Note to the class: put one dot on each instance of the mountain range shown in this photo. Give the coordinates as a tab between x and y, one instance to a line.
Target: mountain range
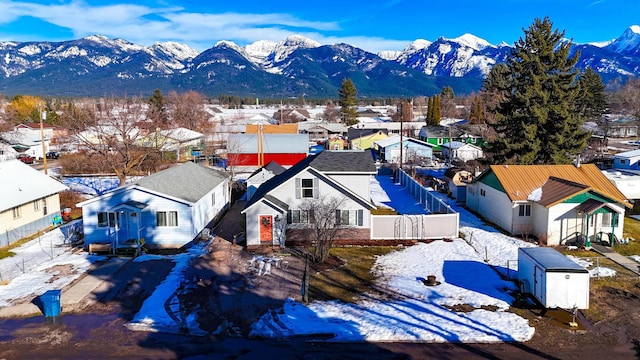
297	66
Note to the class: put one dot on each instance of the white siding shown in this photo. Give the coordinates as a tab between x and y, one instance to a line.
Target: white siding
494	206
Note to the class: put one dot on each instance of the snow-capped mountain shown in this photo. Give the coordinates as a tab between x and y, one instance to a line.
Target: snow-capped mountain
96	65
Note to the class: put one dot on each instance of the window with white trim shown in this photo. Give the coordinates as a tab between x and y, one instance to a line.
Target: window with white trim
16	212
167	218
36	205
524	210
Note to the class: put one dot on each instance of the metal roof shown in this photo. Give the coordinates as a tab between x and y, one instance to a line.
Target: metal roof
21	184
519	181
551	260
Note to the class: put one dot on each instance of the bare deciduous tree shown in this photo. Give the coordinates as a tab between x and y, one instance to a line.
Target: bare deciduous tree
113	138
324	225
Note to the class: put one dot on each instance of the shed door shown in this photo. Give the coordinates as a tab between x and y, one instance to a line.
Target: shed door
266	228
538	288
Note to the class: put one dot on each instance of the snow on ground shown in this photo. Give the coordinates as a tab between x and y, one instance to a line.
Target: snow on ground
37	266
153	316
412	312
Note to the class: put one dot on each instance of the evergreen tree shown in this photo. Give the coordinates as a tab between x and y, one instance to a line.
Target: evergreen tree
436	110
429	115
157	111
347	101
592	99
536	121
476	116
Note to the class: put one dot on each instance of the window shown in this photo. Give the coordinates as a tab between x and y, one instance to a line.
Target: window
440	141
524	210
299	216
44	206
103	219
167	218
482	193
16	212
349	217
36	205
306	188
213	199
606	220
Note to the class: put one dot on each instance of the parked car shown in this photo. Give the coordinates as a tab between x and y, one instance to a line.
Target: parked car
53	155
25	158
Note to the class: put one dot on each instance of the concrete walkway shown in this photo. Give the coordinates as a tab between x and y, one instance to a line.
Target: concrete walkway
75	293
623	261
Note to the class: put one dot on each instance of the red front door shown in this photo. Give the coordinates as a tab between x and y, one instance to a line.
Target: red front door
266	228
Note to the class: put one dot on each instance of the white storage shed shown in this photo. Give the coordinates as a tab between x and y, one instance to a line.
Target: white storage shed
552	278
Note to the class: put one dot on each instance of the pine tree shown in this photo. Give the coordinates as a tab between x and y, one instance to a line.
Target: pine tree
157	111
536	121
348	102
436	110
592	99
429	115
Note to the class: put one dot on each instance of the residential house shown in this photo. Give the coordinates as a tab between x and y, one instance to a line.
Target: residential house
460	151
321	131
254	150
284	116
166	210
414	151
408	128
27	138
363	139
185	143
279	210
29	203
338	143
627	160
261	176
554	203
628	182
438	135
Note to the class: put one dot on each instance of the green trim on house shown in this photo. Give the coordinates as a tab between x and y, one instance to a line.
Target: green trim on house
491	180
580	198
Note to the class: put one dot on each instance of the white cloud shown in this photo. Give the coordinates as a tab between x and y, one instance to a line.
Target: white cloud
146	25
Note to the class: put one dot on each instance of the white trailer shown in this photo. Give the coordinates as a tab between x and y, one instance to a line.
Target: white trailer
552	278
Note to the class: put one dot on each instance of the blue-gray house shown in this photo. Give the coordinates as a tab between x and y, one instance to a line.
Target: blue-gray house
413	150
166	210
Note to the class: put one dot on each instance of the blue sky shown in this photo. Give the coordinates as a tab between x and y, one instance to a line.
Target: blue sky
369	24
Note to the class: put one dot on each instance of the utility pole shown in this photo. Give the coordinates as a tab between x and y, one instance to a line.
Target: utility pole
43	116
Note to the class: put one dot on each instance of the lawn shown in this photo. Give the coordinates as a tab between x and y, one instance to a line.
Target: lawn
346	282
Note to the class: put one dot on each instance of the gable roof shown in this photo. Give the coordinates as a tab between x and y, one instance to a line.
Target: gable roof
519	181
355	133
187	182
628	154
272	166
395	139
439	131
324	162
21	184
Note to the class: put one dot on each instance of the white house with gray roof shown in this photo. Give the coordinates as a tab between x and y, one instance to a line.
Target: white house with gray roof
283	201
166	210
29	202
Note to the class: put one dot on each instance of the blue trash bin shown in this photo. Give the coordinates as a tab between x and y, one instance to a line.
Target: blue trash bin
51	303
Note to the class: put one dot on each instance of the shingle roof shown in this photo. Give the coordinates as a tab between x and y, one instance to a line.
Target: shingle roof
326	162
187	181
519	181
